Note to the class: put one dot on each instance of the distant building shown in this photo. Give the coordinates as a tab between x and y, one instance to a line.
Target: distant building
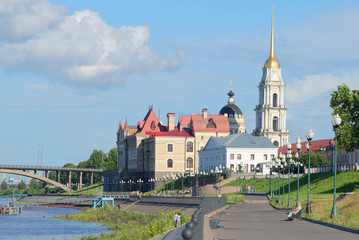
231	151
152	150
271	113
234	114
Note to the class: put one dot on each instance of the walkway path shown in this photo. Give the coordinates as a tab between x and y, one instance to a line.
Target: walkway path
260	221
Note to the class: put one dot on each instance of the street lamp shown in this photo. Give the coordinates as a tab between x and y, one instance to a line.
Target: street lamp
336	120
130	182
270	181
255	182
122	182
217	171
237	170
289	156
283	165
139	181
309	136
241	169
298	146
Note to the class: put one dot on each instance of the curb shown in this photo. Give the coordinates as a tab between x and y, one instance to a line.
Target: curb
207	231
342	228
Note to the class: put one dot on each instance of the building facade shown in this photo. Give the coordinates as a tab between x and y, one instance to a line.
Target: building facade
231	151
152	150
271	112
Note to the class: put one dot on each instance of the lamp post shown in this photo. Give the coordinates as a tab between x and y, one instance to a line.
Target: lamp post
237	170
130	182
182	176
139	181
197	173
289	158
217	171
270	179
122	182
255	182
283	165
241	169
336	120
309	136
298	146
276	183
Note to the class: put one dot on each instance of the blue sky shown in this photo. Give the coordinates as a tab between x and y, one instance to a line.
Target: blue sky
71	70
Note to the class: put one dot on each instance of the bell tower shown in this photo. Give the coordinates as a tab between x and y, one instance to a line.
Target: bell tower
271	113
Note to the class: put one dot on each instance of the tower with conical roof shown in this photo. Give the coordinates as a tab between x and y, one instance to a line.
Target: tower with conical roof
271	113
234	115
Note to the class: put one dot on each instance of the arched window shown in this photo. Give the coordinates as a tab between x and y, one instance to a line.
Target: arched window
252	156
153	126
189	146
211	123
265	157
276	143
169	163
231	156
189	162
275	123
275	100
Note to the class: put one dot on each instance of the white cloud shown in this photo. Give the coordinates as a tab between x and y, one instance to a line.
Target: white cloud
21	19
82	49
310	86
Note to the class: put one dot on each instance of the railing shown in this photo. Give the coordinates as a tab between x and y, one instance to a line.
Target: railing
27	167
340	168
194	228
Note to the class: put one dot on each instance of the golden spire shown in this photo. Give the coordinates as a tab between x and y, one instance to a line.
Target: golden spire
272	61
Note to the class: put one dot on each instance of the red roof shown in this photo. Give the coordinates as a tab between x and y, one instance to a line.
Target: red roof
174	133
213	123
315	146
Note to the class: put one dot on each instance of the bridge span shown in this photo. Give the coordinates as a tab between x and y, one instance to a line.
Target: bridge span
23	171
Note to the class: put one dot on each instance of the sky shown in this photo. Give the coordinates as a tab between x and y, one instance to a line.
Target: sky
71	70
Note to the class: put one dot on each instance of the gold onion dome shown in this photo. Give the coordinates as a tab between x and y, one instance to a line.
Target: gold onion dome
272	62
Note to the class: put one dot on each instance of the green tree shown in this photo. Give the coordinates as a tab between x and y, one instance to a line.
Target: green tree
21	185
346	103
4	185
316	159
110	162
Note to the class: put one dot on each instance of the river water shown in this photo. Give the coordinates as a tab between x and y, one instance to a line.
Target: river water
38	224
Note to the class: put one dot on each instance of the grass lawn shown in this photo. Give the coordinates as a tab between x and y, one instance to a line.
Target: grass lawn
129	225
90	190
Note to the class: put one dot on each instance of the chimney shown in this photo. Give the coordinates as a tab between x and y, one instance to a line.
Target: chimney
180	127
204	112
171	121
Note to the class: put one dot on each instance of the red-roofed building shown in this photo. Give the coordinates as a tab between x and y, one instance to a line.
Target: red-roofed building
152	150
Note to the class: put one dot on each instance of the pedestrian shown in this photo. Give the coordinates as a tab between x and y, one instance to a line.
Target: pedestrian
178	219
245	188
252	188
175	218
119	207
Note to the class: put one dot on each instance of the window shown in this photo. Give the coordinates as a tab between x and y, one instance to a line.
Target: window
275	100
252	156
265	157
276	143
153	126
231	156
170	147
232	167
252	168
271	156
169	163
275	123
239	156
202	137
211	123
190	147
189	162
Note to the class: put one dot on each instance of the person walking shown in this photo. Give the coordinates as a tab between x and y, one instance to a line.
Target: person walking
178	219
175	218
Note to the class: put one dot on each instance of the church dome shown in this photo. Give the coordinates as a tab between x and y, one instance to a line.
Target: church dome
271	62
231	109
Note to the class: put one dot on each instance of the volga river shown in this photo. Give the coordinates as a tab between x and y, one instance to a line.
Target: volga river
38	224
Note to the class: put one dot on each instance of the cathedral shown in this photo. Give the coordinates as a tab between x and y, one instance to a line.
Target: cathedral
271	113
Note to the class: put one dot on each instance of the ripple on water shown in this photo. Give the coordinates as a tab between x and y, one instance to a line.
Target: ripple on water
38	224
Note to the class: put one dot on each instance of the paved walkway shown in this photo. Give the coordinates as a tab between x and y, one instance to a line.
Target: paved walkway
258	220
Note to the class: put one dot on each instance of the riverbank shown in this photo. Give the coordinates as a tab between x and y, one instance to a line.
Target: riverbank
127	225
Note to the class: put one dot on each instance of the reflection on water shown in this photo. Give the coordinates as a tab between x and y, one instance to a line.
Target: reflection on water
38	224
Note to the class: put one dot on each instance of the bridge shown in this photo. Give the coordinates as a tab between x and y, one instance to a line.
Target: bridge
23	171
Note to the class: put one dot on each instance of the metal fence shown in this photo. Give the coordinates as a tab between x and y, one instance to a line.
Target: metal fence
340	168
